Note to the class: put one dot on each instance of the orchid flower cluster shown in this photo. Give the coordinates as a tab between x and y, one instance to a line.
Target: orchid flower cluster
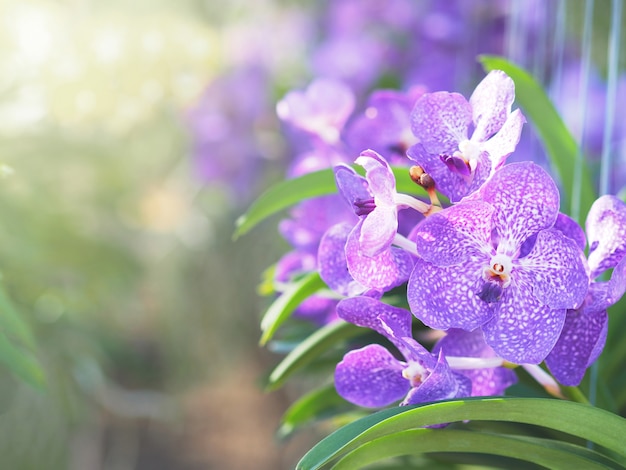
498	273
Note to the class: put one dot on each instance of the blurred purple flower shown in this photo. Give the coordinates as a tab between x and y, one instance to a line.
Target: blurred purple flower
385	125
441	121
322	109
223	128
304	230
471	273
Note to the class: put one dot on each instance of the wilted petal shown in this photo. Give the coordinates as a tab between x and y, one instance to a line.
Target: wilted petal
455	234
331	259
526	201
441	384
503	143
487	381
606	232
440	121
447	297
582	339
371	377
555	270
384	271
491	104
524	330
366	312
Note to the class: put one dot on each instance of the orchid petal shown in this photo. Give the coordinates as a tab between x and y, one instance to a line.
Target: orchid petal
491	104
371	377
447	297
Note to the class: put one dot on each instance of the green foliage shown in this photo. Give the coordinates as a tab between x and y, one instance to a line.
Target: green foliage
581	421
291	191
570	167
286	303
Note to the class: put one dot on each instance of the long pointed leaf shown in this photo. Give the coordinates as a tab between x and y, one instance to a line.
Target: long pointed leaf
317	404
13	324
319	183
21	363
311	348
589	423
287	302
550	454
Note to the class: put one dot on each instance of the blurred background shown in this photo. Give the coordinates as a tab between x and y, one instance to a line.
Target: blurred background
132	136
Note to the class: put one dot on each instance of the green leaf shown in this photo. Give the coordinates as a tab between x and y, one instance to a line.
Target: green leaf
21	363
545	452
12	324
317	404
319	183
318	343
287	302
559	144
583	421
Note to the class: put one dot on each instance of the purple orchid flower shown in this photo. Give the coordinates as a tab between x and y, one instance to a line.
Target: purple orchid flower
461	348
373	377
459	164
473	273
385	124
585	328
370	258
321	110
304	230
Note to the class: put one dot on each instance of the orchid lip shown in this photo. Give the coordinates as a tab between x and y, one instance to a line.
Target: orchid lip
364	206
456	164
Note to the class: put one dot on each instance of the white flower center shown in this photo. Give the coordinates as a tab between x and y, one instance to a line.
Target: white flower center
469	151
415	372
500	266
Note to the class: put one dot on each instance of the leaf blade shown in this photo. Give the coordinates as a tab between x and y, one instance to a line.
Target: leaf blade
280	310
589	423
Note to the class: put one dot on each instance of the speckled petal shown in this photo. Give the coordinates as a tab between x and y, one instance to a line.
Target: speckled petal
606	232
384	271
503	143
371	377
487	381
617	284
447	297
523	331
331	260
382	182
378	230
555	270
451	184
441	384
352	186
366	312
570	228
440	121
526	201
582	339
491	104
455	234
